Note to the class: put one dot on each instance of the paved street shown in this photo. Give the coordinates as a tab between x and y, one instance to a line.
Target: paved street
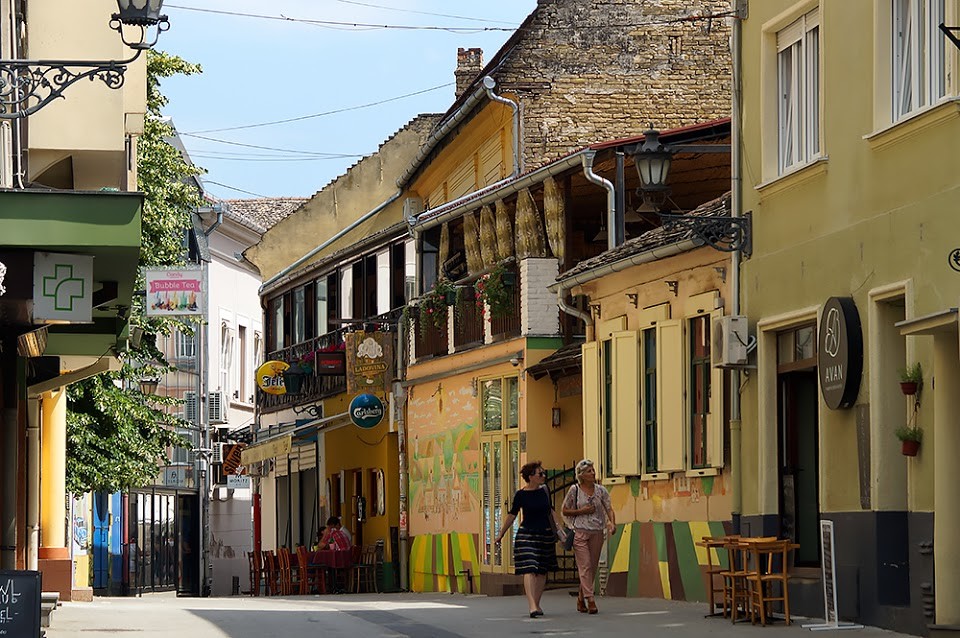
396	615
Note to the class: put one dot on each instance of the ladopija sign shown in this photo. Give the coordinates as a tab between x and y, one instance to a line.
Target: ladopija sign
840	360
366	411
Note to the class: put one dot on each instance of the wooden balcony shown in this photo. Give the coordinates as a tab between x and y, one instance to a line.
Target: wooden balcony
468	320
314	386
509	325
431	341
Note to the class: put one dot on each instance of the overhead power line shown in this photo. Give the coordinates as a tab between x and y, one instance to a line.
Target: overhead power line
234	188
425	13
317	154
315	115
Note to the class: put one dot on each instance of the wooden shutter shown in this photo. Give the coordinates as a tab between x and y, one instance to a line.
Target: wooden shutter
671	415
591	403
715	421
626	403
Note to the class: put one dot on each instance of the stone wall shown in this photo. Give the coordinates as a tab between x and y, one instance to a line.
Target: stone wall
592	71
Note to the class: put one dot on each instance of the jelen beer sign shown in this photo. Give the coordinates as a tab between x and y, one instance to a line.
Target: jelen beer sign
840	360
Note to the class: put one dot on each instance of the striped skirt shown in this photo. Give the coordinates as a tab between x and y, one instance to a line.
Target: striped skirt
534	551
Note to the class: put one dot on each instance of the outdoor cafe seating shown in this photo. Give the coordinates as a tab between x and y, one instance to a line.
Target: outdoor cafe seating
303	571
749	577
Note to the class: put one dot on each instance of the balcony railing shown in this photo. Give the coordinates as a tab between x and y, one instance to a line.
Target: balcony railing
467	320
314	386
509	324
431	341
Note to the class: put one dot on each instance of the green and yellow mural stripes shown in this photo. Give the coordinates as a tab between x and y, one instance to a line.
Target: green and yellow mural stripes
662	560
437	560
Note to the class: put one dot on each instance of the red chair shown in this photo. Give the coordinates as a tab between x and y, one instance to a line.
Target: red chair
271	573
312	577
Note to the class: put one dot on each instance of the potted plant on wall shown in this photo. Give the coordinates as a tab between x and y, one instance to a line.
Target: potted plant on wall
911	379
494	290
910	438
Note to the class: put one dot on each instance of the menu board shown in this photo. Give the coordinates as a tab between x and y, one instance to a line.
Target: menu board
19	603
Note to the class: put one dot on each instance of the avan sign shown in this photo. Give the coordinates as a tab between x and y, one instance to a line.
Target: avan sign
840	359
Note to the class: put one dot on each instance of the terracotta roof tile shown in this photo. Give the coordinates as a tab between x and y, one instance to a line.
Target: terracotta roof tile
264	212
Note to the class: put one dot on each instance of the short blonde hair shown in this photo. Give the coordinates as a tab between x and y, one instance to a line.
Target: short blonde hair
582	466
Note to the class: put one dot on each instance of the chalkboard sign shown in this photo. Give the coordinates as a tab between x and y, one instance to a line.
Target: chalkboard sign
19	604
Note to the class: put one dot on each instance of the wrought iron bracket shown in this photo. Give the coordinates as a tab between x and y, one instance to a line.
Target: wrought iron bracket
949	32
26	86
313	410
727	234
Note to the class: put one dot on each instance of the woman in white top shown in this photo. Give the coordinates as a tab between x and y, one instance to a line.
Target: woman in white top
587	508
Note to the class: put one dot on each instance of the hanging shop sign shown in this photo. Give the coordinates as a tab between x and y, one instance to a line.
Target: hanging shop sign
330	363
840	359
175	292
366	411
270	377
62	288
369	359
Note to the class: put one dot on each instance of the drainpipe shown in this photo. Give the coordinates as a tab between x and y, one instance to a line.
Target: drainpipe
736	205
218	209
489	84
579	314
587	160
334	238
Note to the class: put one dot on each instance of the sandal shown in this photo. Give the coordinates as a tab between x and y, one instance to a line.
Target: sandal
591	606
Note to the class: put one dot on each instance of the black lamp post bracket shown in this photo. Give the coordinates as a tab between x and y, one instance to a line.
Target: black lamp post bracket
726	234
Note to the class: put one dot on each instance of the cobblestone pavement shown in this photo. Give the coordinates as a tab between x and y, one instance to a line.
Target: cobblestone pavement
397	615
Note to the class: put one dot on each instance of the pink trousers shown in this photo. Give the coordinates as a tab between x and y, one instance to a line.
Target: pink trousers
586	550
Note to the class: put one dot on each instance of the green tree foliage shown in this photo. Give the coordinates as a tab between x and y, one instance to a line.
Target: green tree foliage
116	436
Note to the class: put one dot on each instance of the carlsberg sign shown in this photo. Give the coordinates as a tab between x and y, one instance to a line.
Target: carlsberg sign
366	411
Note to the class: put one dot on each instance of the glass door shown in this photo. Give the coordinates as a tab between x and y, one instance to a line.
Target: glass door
500	468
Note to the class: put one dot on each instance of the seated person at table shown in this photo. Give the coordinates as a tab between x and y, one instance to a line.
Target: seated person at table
333	537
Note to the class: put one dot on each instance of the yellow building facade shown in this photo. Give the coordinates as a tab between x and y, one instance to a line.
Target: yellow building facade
850	171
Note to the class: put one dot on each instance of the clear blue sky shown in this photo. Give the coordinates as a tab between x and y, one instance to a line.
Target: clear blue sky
258	70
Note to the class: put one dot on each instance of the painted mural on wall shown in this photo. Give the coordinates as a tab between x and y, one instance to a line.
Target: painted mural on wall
445	563
444	455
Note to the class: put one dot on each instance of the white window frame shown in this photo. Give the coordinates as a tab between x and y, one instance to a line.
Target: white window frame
918	76
346	292
383	282
185	345
798	92
226	357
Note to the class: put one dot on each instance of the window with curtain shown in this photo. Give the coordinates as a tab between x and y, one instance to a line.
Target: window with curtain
299	315
919	60
798	84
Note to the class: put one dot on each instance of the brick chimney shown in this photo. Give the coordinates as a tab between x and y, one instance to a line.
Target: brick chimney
469	65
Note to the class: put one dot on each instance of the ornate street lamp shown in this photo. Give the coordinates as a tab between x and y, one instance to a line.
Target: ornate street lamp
26	86
652	158
149	385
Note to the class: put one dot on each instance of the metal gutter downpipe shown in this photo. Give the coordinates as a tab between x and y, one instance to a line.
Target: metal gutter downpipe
587	159
736	205
575	312
489	84
286	271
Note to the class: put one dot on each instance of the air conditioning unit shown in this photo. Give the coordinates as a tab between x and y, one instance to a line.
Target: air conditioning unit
190	407
218	411
216	454
729	341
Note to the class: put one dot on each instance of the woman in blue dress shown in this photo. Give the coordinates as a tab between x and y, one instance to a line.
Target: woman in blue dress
534	553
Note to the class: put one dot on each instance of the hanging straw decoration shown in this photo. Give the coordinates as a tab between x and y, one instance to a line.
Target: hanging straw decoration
471	243
444	245
530	240
553	212
504	231
488	237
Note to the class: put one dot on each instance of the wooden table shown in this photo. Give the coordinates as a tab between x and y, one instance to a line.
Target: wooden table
334	562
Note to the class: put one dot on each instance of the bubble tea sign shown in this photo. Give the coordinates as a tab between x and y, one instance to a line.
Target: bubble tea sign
175	292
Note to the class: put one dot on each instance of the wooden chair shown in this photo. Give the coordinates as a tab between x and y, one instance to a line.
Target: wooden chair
364	570
312	577
736	592
271	573
769	576
289	573
256	573
715	582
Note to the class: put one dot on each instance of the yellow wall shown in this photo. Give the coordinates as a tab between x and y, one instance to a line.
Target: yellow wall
678	497
877	210
479	155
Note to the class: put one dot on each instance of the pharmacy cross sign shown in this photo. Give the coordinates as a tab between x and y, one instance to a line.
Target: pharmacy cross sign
62	287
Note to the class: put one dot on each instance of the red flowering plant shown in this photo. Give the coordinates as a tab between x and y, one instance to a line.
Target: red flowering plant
493	290
434	305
